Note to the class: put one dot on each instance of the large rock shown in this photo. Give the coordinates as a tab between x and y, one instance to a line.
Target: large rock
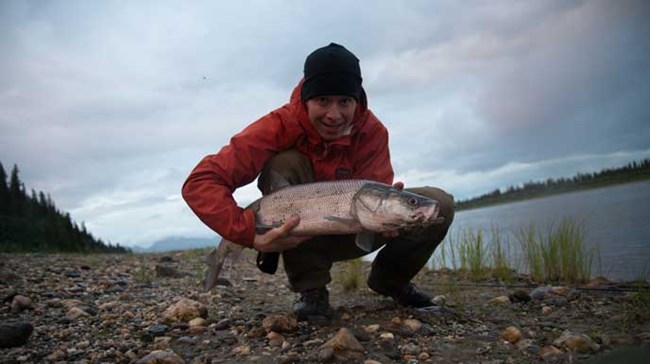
185	310
15	334
344	346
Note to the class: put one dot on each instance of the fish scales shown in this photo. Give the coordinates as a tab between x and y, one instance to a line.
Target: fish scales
323	207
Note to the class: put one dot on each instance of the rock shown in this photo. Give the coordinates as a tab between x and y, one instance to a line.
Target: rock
280	323
546	310
527	345
199	321
15	334
501	300
410	349
370	361
343	345
540	293
161	357
222	324
326	354
551	354
185	310
157	330
243	350
57	355
387	336
519	296
20	303
439	300
413	325
196	330
75	313
371	328
165	271
511	334
256	332
580	343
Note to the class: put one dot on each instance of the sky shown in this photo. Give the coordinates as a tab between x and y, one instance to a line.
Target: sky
108	105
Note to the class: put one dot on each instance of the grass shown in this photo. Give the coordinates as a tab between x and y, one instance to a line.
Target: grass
558	254
351	276
636	310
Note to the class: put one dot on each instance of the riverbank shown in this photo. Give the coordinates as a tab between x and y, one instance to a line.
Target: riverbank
541	192
129	308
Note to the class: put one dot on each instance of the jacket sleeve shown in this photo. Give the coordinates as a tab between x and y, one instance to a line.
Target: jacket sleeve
209	187
372	160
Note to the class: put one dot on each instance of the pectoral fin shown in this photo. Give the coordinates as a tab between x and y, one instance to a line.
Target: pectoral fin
365	240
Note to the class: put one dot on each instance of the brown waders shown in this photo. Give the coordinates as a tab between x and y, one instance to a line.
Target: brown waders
308	265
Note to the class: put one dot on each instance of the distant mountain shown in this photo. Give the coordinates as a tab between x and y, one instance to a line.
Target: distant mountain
178	243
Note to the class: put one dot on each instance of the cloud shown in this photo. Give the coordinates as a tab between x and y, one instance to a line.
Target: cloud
108	106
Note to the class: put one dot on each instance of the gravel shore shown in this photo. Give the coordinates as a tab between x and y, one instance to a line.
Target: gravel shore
150	308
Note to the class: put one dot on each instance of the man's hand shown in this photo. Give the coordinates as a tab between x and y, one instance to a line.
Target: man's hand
393	233
278	239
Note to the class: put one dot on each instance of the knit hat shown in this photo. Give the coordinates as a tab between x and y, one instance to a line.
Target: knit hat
331	70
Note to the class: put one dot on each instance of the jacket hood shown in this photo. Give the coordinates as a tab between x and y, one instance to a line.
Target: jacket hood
299	109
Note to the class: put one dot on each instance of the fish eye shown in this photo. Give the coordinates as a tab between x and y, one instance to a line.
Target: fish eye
412	201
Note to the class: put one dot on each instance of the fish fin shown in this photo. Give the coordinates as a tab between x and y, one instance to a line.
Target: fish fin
215	259
342	220
278	182
365	240
261	229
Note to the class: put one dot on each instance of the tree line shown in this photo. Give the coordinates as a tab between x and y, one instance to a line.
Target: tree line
32	223
633	171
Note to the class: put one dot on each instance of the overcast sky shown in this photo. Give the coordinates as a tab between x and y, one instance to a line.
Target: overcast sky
108	105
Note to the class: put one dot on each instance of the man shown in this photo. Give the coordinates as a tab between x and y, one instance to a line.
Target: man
326	132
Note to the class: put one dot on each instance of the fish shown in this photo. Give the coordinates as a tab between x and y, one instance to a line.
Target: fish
342	207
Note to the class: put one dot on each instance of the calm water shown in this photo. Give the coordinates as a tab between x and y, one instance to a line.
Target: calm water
616	219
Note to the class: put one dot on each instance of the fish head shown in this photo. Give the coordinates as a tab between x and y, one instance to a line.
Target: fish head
379	207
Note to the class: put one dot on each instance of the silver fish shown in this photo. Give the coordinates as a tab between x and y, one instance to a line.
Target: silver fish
333	208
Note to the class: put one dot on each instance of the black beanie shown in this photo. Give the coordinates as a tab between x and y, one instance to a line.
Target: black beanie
331	70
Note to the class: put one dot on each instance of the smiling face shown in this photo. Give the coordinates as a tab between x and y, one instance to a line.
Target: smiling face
331	115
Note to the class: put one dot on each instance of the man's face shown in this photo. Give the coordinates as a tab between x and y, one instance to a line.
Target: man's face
331	115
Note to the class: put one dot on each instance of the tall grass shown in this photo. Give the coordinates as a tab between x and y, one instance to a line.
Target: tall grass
560	255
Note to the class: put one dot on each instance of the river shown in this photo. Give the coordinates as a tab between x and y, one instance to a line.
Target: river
616	220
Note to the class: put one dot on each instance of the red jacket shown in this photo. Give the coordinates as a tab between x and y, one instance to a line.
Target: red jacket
208	189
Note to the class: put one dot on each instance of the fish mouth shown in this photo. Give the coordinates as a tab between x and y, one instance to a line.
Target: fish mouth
426	214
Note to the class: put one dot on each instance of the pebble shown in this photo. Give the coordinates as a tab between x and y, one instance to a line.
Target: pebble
280	323
439	300
371	328
185	310
243	350
511	334
199	321
20	303
15	334
222	324
161	357
580	343
75	313
387	336
344	346
548	351
501	300
519	296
